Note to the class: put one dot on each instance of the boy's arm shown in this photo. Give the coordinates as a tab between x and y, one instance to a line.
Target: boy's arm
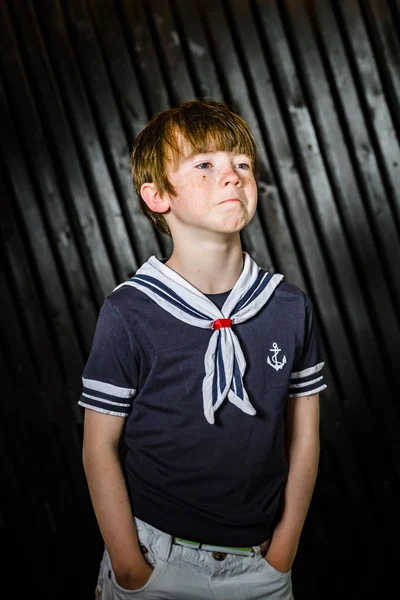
110	499
302	435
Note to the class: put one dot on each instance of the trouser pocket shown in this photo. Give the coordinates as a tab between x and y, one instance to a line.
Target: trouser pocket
107	587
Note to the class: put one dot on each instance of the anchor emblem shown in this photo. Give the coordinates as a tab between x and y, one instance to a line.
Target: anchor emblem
273	360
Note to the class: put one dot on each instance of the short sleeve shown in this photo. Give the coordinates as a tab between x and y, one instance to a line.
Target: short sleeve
109	378
307	376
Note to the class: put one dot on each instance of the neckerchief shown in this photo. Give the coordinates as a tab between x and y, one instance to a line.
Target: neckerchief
224	361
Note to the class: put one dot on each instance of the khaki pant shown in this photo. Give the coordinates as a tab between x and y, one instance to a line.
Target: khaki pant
182	573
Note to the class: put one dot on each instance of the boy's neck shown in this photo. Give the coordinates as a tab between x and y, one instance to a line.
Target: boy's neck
211	270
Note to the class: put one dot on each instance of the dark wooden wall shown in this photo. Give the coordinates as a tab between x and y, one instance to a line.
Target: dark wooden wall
319	83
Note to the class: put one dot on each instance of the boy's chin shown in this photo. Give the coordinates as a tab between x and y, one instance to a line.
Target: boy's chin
231	228
201	230
190	231
226	228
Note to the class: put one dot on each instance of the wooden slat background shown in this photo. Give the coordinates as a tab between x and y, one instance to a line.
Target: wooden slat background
319	83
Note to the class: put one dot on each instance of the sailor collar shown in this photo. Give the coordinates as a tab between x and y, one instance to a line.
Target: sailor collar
224	361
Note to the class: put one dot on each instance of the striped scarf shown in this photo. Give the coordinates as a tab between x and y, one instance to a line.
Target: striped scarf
224	361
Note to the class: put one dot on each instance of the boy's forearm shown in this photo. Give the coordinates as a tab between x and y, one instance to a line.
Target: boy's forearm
303	459
113	511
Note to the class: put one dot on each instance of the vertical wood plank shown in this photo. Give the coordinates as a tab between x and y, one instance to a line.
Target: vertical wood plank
87	132
69	168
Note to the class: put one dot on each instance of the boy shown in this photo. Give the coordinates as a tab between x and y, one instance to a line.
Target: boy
212	369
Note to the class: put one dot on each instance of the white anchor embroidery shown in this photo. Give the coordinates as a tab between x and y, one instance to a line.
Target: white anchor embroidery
273	361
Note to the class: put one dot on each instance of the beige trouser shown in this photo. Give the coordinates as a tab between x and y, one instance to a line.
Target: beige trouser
183	573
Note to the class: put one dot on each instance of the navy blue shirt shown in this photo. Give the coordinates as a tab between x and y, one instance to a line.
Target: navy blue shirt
218	483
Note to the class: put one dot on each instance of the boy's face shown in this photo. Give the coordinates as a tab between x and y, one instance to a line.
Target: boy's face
216	192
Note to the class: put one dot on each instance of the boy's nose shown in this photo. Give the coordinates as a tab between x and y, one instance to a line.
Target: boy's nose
230	176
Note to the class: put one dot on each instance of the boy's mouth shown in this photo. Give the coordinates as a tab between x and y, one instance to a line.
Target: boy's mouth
230	200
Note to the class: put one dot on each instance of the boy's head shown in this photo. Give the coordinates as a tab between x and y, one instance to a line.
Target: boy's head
196	126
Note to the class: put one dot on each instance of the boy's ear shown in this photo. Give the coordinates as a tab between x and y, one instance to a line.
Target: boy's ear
153	198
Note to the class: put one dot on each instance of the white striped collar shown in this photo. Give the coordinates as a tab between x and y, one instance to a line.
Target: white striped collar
224	361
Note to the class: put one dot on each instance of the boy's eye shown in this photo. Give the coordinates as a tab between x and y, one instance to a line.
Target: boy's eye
243	166
203	165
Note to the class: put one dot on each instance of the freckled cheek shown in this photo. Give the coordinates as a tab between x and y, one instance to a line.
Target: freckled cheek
253	187
204	182
254	193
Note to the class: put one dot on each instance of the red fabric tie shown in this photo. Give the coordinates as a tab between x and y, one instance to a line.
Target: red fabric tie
219	323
